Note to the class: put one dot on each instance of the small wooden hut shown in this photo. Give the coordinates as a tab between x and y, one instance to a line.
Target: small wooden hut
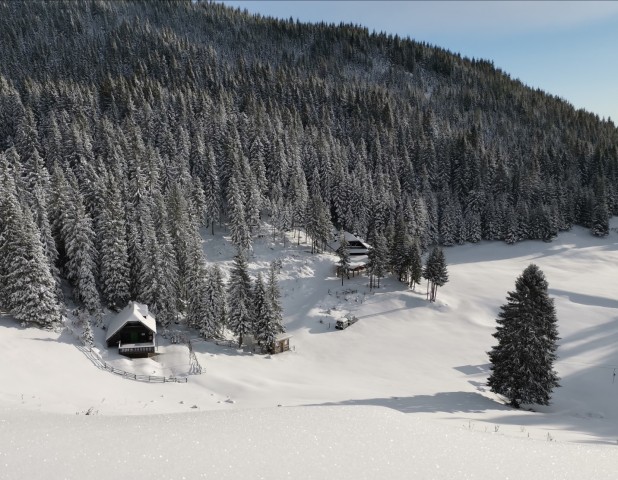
281	343
134	330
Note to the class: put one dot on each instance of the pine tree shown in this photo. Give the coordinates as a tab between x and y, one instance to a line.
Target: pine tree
274	296
344	255
239	299
399	252
238	221
378	258
87	335
197	295
415	264
78	237
114	261
522	362
27	287
600	213
263	313
213	321
435	273
212	189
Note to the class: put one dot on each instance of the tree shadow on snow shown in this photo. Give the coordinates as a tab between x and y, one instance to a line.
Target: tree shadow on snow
594	338
447	402
582	299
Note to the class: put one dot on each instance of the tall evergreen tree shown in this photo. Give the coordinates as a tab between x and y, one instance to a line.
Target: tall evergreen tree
212	323
239	228
27	287
435	272
274	296
239	299
527	334
78	236
114	261
378	261
266	326
415	264
344	256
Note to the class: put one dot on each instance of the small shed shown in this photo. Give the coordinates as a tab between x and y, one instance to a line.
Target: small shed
134	330
281	343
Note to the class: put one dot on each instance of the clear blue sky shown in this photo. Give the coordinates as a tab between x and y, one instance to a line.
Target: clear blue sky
569	49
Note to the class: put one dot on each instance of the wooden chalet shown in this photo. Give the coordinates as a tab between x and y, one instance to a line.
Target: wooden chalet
134	331
356	246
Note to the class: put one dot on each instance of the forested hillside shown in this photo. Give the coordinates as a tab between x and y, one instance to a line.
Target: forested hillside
127	126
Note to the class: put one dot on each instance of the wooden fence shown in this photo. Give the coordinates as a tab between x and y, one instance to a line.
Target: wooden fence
94	357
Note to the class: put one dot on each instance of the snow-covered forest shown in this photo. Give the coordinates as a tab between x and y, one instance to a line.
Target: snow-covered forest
125	127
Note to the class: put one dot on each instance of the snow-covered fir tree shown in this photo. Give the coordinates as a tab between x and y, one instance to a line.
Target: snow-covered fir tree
214	320
115	274
239	299
267	324
78	236
27	287
344	255
239	227
307	140
415	263
522	367
274	295
435	272
378	261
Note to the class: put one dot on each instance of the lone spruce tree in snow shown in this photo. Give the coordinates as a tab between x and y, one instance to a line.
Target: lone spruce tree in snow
522	362
435	272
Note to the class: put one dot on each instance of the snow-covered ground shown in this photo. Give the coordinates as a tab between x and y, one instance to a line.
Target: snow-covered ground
399	394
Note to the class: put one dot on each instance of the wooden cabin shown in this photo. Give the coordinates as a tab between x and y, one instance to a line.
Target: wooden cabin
281	343
356	246
134	331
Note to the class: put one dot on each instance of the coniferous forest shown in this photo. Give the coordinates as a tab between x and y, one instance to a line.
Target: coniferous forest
126	126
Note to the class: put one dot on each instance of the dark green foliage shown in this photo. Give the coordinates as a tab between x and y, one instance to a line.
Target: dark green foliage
27	288
195	123
267	315
239	299
435	272
344	256
415	264
522	362
378	261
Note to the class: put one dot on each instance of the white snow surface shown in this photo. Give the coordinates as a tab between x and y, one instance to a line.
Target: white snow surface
399	394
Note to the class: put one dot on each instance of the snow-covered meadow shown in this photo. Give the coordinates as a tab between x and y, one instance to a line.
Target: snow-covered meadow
399	394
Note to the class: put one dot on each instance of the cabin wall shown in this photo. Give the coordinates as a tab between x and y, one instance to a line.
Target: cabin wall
132	333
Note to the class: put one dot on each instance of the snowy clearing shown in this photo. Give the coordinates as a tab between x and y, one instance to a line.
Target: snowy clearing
401	392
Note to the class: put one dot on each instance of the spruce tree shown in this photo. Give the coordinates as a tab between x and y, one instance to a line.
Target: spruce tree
263	321
415	264
213	321
78	237
378	258
239	299
274	296
522	362
239	228
114	260
344	255
435	272
27	287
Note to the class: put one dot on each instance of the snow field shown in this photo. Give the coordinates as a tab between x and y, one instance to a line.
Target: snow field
400	393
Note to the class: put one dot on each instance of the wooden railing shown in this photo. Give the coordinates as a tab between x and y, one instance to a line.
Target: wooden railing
94	357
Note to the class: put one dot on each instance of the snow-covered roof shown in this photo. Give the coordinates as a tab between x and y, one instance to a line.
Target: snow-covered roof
133	312
355	241
282	336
